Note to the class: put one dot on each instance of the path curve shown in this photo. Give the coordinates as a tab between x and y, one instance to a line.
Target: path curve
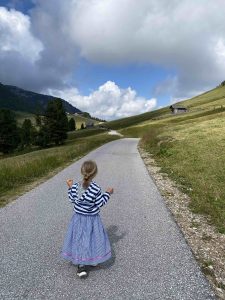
151	259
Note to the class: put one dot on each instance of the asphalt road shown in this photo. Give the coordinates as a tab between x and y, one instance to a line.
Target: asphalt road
151	259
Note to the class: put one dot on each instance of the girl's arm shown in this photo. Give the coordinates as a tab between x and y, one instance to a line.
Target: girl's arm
72	193
102	198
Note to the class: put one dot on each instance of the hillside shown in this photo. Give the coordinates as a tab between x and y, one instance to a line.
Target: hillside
18	99
189	147
79	119
208	100
206	103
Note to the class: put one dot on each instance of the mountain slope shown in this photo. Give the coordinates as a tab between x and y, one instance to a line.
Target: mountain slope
210	99
18	99
206	103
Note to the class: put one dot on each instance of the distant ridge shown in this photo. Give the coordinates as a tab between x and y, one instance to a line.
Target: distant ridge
15	98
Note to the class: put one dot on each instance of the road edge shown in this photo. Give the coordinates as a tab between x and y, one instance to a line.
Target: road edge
195	228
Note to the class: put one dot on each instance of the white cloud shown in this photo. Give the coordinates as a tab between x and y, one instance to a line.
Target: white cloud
16	36
30	59
45	47
108	102
185	35
21	53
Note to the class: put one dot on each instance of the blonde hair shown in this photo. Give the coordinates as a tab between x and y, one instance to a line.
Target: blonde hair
88	169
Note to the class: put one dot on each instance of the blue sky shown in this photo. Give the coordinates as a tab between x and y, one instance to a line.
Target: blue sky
21	5
113	58
142	77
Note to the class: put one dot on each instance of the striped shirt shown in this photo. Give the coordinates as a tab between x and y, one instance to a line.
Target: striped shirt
87	202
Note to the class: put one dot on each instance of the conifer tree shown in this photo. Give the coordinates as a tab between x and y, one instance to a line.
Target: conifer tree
55	122
38	120
71	124
9	133
42	138
28	133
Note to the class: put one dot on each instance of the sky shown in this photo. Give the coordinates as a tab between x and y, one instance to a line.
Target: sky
113	58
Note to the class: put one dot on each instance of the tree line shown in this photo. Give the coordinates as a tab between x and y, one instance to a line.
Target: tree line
51	128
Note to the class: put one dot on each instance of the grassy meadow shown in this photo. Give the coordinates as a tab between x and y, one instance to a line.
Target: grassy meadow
192	154
21	172
190	147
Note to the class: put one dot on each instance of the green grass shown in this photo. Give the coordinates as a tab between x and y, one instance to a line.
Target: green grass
17	173
192	154
84	133
134	120
210	99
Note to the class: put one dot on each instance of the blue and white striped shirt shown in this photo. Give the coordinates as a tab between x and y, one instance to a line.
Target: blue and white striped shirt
87	202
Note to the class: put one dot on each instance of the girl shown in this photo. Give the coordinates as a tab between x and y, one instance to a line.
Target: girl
86	242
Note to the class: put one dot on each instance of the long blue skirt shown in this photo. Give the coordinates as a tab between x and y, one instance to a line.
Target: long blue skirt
86	241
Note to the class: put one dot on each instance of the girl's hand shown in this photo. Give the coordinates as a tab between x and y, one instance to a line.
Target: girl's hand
69	182
109	190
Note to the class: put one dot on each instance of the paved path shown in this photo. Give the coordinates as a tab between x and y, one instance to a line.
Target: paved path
151	259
